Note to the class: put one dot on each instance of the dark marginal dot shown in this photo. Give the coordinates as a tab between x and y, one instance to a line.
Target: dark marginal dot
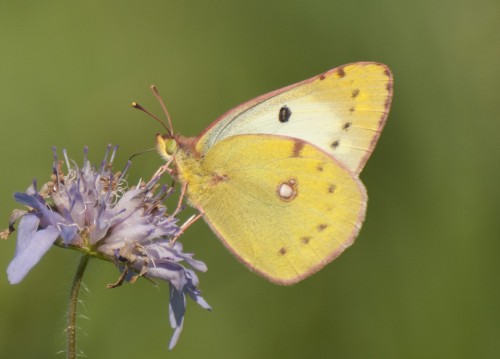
284	114
282	250
387	72
355	93
331	188
346	126
305	240
335	144
322	76
341	72
322	227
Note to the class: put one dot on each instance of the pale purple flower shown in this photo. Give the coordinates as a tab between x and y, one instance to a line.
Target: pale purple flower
94	212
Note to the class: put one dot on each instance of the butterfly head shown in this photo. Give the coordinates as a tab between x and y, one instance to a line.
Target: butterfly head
166	146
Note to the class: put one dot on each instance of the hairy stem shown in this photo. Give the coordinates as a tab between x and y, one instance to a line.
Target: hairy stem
72	306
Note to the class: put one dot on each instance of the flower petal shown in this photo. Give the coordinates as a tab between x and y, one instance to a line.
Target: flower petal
31	200
35	201
195	295
68	232
171	272
30	248
26	229
177	308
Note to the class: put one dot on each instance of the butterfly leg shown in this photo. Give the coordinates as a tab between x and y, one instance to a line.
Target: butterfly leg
181	198
185	226
164	168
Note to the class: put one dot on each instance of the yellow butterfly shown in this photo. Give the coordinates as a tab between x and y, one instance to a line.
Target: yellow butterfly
276	178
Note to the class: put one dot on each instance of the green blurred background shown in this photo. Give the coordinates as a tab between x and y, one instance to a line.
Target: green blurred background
421	280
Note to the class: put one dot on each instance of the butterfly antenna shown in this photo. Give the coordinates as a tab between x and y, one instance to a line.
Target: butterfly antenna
160	100
139	107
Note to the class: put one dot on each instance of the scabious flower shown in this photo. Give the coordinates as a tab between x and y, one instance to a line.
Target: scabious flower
95	213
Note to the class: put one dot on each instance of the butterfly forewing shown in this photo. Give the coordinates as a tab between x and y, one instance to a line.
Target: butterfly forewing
341	111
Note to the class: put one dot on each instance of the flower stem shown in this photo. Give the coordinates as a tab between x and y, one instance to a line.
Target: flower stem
72	306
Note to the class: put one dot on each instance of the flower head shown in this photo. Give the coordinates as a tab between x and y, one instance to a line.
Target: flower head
93	211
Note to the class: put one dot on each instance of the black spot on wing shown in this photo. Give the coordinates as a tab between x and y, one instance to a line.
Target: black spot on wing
284	114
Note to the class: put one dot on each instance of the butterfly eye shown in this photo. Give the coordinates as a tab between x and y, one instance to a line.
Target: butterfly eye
170	146
165	146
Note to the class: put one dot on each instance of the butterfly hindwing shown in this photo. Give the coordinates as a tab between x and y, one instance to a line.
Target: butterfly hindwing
284	207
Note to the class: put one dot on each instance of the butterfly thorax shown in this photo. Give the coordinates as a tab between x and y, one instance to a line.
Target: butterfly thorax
187	163
186	144
189	169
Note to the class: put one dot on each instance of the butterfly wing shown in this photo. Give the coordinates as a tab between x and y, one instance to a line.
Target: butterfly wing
282	206
341	111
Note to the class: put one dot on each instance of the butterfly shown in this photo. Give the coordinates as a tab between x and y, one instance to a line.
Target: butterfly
277	178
